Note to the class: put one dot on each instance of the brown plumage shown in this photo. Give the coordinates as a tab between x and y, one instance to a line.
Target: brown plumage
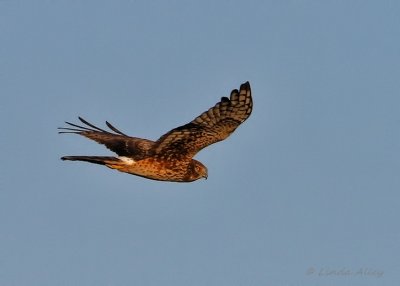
170	158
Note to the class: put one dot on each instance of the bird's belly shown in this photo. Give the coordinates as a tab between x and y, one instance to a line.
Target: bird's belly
155	169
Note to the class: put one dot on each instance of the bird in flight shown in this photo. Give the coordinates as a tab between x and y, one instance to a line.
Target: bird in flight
170	158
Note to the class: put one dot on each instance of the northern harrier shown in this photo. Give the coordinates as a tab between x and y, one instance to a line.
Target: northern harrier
170	158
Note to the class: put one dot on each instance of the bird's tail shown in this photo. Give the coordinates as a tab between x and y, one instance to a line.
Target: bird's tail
101	160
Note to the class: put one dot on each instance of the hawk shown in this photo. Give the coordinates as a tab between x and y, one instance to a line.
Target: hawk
170	158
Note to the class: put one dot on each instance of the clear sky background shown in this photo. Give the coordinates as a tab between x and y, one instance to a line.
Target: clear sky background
306	192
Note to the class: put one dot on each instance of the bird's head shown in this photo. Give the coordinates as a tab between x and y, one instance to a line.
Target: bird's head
198	170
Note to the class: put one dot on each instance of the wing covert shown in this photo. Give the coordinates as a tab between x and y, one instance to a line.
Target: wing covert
211	126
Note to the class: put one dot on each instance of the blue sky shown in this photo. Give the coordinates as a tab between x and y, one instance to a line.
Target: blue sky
306	192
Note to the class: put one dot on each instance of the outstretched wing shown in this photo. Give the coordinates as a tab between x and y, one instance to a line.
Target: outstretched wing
117	142
211	126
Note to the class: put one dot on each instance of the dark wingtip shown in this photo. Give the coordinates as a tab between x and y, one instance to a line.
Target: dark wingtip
68	158
245	85
225	99
114	129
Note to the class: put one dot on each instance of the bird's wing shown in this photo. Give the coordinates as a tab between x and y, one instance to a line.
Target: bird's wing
117	142
211	126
